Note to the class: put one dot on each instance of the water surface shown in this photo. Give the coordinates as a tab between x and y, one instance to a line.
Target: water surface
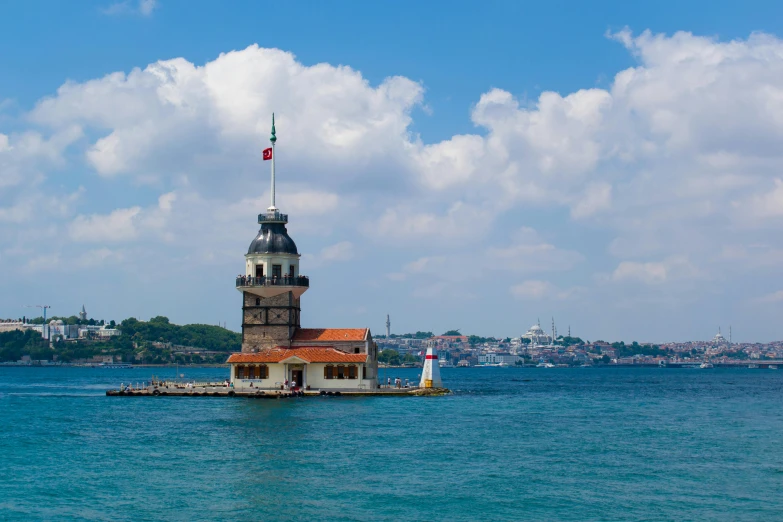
509	444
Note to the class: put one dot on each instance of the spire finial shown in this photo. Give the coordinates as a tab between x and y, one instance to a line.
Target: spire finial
273	139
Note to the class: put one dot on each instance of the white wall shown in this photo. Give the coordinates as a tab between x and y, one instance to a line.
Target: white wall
314	377
316	381
276	374
251	260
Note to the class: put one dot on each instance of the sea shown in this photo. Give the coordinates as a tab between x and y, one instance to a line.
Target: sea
507	444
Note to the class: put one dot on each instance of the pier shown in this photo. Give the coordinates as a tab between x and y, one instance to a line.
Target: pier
219	389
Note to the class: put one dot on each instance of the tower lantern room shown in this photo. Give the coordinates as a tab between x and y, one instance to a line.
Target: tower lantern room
272	260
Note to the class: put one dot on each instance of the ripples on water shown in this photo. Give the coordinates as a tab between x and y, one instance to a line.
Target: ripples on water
541	444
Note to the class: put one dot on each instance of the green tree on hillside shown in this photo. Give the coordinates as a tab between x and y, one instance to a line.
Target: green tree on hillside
389	356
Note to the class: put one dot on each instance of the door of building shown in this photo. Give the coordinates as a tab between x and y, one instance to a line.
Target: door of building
296	377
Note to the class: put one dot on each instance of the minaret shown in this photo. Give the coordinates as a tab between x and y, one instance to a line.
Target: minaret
272	285
388	326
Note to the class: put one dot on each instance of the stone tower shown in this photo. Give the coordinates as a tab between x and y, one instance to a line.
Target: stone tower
272	285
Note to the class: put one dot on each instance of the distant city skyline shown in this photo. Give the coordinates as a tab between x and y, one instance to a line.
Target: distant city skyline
614	166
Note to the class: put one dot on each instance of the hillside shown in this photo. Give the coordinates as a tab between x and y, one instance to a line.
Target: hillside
156	341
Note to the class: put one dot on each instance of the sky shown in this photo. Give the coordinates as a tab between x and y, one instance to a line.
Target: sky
615	166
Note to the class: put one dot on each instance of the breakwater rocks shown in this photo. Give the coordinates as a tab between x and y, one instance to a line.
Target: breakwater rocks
430	392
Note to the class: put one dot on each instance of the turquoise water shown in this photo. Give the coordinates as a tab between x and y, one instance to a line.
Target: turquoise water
509	444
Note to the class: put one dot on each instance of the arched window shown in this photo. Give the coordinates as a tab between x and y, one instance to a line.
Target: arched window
341	372
329	372
258	301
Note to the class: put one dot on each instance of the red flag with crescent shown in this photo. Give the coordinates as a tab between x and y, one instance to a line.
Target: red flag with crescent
268	154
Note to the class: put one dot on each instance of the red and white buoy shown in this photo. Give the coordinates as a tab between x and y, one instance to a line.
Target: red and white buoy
430	374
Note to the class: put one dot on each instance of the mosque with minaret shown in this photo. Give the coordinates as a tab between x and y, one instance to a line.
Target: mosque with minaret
276	351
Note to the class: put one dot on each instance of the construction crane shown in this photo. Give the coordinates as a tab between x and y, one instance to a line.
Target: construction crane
44	307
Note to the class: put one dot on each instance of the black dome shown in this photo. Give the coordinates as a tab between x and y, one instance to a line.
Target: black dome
273	238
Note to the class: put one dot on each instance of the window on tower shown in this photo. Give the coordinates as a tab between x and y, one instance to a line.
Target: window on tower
277	271
291	271
259	270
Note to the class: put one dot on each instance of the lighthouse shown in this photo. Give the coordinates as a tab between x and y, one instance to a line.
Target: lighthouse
430	374
276	350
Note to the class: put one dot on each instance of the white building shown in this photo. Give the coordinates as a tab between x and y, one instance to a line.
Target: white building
57	329
498	358
101	332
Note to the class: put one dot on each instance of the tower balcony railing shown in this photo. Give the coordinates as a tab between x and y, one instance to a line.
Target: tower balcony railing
245	281
274	216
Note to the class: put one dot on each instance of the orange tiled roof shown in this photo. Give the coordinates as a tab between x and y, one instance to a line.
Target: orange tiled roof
331	334
311	354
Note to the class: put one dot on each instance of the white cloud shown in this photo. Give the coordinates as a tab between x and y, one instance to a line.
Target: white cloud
407	224
425	265
529	253
43	264
648	148
118	226
597	197
174	117
763	205
98	257
147	6
537	290
342	251
655	272
650	273
126	7
26	155
774	297
531	289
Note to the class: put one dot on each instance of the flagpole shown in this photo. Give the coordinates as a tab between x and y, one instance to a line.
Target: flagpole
273	139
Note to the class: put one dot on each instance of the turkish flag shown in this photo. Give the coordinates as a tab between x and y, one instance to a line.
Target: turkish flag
268	154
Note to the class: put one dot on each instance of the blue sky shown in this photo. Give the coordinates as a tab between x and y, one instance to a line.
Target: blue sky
614	165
